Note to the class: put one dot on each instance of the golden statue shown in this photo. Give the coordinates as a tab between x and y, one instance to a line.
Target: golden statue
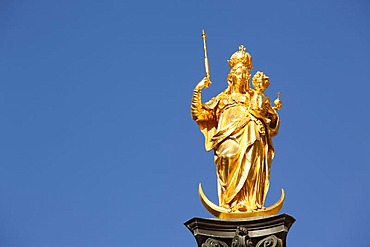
238	125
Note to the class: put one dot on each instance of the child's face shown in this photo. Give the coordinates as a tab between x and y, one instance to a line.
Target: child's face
260	85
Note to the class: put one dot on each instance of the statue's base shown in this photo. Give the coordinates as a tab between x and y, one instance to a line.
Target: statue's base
253	232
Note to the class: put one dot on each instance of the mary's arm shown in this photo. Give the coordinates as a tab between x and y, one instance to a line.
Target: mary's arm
199	111
204	114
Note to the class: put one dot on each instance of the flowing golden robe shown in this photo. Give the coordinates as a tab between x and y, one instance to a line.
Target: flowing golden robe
242	145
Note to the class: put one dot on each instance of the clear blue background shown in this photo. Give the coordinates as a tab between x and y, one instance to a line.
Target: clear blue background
97	147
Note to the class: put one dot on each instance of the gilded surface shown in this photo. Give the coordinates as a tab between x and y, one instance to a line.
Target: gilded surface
238	125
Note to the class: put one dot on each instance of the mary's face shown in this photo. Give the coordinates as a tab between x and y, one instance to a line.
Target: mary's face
240	76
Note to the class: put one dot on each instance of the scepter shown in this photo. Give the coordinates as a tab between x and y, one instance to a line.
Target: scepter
206	63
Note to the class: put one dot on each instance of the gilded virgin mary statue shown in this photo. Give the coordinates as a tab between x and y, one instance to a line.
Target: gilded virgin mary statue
238	125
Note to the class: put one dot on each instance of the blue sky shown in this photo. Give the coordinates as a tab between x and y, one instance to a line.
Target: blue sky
97	147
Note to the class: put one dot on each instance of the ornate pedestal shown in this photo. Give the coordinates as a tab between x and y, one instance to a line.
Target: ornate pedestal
254	232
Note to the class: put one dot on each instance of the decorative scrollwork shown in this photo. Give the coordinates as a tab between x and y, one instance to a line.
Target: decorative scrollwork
241	238
270	241
210	242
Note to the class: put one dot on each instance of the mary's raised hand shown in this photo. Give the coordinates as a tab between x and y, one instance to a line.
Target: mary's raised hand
204	83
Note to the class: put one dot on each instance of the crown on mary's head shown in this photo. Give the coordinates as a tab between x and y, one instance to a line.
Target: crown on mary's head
242	57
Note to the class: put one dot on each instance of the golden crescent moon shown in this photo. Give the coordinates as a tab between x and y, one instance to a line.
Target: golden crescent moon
223	213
